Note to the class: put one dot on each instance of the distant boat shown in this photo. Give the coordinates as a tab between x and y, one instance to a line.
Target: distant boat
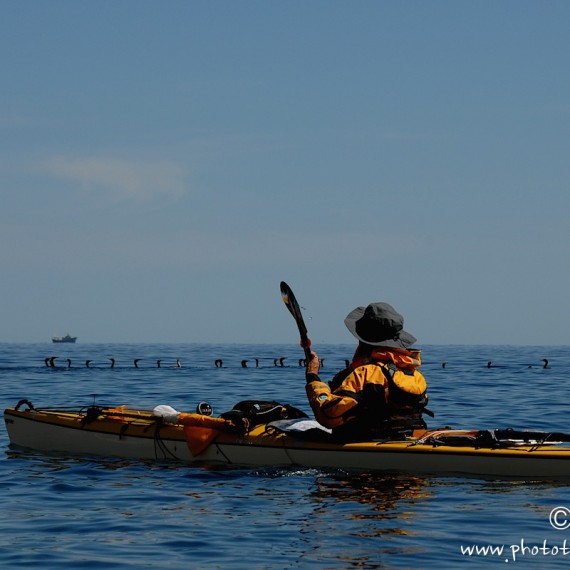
66	338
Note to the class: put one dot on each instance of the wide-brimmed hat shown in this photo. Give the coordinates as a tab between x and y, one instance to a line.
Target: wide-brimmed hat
379	324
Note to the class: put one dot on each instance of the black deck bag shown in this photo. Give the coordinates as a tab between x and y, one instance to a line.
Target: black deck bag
256	412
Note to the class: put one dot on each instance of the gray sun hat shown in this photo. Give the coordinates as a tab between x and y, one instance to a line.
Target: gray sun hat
379	324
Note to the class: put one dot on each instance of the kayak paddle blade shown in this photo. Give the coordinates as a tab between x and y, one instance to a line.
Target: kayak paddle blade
293	307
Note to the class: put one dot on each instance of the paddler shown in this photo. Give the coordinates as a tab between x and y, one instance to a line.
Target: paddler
381	394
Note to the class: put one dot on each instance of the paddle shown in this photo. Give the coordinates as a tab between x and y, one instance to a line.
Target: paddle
291	303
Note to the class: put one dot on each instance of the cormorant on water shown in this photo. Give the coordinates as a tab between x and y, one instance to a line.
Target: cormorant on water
136	362
88	363
112	362
545	363
491	365
218	363
244	363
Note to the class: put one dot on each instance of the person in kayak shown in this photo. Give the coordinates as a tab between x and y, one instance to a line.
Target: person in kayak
381	394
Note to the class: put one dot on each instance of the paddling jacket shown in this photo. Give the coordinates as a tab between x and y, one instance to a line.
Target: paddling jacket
380	395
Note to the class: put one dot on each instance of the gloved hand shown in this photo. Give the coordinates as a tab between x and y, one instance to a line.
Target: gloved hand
313	366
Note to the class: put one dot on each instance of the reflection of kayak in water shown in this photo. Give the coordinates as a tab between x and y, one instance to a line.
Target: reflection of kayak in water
196	438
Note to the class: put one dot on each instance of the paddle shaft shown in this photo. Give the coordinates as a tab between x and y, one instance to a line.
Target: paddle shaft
291	304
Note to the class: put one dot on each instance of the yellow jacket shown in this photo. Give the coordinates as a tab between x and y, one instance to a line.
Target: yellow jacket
385	384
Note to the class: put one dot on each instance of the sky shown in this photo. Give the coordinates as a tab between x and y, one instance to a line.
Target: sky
165	165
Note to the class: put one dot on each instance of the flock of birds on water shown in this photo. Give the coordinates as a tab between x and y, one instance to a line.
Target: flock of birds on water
491	365
219	363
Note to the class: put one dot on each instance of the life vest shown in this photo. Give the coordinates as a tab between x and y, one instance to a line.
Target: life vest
402	400
407	388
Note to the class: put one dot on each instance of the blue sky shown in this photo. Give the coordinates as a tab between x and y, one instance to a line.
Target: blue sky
164	165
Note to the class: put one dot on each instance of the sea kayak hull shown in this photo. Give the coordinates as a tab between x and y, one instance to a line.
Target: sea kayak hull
140	436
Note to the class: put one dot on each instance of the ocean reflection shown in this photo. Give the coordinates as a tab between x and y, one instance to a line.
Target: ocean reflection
383	494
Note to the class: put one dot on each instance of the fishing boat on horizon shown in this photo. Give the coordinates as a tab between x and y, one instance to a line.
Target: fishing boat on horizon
66	338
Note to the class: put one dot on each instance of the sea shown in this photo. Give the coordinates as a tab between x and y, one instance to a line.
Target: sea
60	511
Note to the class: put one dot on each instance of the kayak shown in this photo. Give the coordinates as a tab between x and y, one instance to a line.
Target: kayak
199	439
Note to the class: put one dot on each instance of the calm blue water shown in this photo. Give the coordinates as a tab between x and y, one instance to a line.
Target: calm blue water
109	513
